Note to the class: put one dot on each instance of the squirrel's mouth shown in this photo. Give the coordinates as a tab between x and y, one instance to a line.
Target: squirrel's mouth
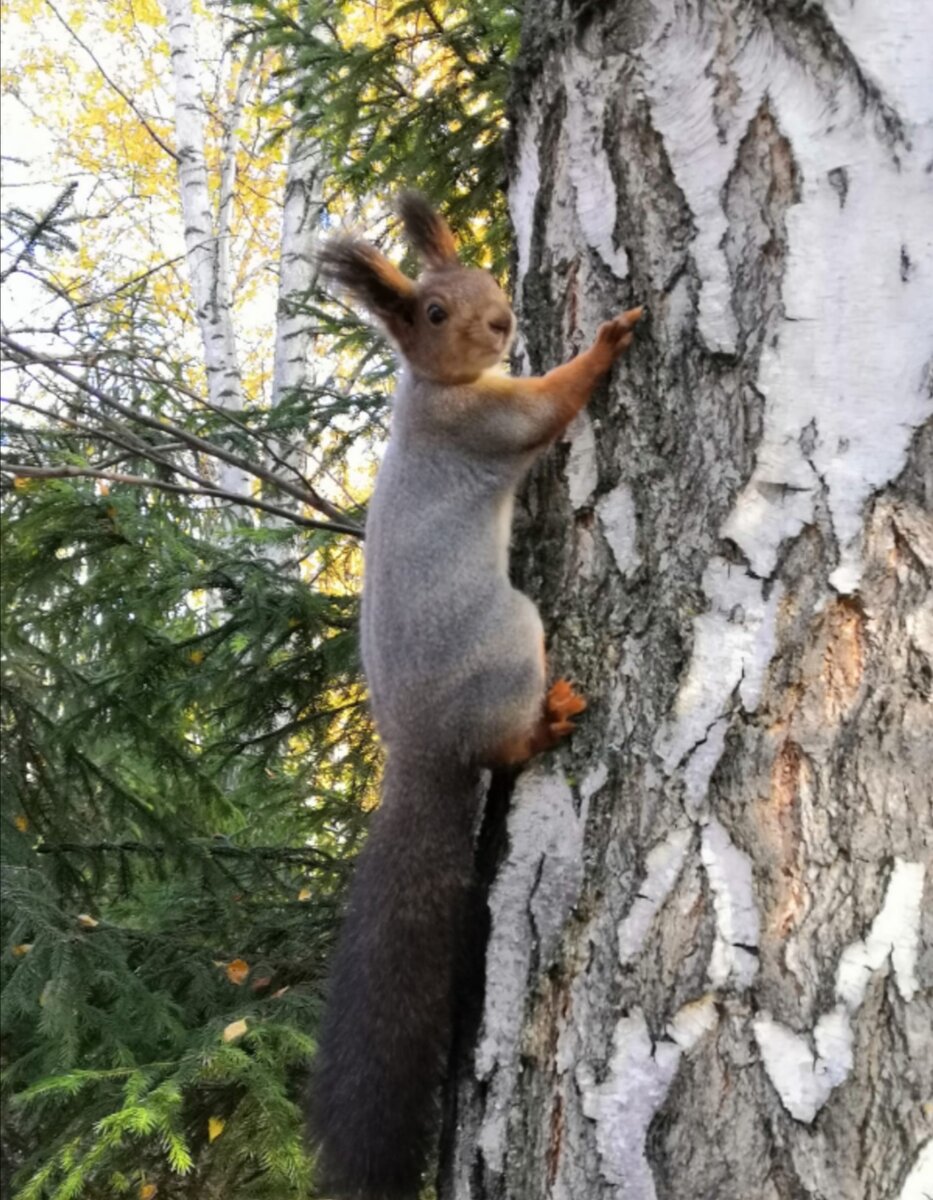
494	353
494	346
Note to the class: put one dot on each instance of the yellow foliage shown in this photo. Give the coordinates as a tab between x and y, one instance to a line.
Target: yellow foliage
215	1127
148	12
110	132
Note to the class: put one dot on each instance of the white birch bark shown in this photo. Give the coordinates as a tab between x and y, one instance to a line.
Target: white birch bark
709	967
301	218
206	233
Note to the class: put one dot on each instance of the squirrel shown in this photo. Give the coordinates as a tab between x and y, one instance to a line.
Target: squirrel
454	660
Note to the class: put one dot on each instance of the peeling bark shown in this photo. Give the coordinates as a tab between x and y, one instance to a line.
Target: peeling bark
709	964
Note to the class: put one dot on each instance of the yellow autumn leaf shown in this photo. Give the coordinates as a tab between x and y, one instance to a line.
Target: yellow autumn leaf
235	1030
86	921
236	971
21	822
215	1127
305	893
197	657
21	949
147	12
147	1191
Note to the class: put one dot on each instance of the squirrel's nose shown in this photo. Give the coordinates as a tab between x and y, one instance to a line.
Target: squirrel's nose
501	323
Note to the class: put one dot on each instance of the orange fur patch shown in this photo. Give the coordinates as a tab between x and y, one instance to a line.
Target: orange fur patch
390	275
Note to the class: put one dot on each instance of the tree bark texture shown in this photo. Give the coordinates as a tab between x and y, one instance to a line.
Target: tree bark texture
709	965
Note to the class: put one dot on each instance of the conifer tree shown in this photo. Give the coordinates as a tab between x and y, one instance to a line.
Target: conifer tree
187	761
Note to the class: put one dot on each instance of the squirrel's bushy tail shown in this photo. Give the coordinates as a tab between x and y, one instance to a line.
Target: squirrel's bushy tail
386	1033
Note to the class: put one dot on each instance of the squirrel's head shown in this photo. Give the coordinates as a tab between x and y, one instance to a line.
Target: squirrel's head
452	322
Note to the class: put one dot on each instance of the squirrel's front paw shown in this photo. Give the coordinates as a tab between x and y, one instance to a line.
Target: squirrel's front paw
616	335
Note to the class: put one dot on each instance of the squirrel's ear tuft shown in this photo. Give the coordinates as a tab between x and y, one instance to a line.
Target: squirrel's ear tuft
427	231
370	278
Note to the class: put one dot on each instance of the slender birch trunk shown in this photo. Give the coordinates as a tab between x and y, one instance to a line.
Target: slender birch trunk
207	233
301	217
709	967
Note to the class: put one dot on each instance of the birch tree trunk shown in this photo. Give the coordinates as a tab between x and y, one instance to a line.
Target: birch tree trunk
301	217
207	238
709	966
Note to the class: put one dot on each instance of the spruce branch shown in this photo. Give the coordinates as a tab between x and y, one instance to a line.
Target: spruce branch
220	848
41	226
25	471
28	356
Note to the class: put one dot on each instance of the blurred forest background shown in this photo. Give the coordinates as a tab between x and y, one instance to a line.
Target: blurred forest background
190	430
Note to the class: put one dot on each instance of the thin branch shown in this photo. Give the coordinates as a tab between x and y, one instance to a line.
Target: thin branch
25	471
134	446
222	849
317	500
129	443
116	87
169	262
312	499
240	744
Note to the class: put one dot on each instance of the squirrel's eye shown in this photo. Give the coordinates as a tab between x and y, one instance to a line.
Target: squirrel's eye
436	315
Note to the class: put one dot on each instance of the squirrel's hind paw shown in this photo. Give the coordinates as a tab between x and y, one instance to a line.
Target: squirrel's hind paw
561	703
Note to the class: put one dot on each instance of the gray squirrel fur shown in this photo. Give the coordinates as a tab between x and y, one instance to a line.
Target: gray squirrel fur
454	661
